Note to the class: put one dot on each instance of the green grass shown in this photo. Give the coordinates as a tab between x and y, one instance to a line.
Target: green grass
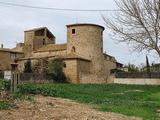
131	100
20	96
4	105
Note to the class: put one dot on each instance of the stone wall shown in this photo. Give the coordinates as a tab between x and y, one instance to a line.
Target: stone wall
137	81
88	43
83	70
49	53
83	66
7	58
38	42
108	65
71	70
33	41
28	43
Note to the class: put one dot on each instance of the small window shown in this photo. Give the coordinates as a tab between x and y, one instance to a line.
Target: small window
73	49
13	56
64	65
73	31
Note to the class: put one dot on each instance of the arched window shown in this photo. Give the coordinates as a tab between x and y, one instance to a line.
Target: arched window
73	49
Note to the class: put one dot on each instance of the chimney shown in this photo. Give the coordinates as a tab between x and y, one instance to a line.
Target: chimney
1	45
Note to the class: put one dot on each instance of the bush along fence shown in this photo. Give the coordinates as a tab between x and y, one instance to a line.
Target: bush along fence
9	81
35	77
41	78
155	75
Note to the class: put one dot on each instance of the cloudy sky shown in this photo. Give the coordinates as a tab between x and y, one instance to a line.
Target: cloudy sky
14	20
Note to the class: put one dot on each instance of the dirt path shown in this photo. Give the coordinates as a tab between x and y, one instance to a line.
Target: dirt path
50	108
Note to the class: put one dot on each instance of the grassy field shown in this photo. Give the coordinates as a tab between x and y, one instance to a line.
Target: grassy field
131	100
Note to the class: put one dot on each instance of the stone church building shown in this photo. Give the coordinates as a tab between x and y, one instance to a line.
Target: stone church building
82	54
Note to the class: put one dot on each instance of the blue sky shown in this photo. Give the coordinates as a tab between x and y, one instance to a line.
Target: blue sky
14	20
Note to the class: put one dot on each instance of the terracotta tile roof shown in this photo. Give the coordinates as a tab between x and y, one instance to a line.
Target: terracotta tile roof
111	58
32	58
84	24
10	50
52	47
35	29
40	28
74	56
66	57
19	49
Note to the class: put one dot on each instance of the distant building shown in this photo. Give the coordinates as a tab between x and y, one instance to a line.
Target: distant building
83	54
7	58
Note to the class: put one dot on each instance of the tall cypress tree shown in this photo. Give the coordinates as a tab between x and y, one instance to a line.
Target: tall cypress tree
148	67
147	64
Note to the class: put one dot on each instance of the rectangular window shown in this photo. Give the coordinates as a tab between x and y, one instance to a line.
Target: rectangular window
44	42
73	31
13	55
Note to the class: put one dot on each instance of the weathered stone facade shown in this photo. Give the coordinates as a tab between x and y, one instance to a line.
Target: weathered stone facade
83	54
7	57
37	38
88	43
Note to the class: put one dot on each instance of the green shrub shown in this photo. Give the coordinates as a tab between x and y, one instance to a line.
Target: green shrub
4	105
37	89
55	70
4	84
27	67
20	96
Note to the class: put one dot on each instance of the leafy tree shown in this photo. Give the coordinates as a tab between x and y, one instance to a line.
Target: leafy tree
132	68
55	69
155	67
137	23
27	67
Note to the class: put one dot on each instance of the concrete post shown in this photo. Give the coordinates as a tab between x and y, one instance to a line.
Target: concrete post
14	81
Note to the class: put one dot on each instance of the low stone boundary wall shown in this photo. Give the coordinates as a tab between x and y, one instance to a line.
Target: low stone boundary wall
137	81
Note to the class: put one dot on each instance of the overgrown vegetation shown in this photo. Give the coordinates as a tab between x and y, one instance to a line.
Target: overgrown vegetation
4	105
7	98
43	89
27	67
55	70
4	84
132	100
19	96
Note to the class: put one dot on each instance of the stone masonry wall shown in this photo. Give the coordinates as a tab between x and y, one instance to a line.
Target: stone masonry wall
49	53
28	43
88	43
71	71
108	65
6	59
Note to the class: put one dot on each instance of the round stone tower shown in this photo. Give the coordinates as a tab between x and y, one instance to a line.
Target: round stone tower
86	40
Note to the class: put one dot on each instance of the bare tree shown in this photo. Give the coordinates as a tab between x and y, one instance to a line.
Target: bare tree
137	23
